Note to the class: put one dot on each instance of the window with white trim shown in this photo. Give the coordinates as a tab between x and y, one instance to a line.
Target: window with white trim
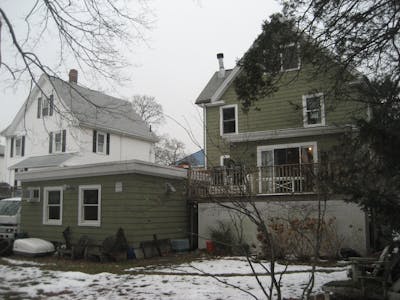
18	146
290	58
45	107
229	119
101	142
313	110
52	205
89	213
57	141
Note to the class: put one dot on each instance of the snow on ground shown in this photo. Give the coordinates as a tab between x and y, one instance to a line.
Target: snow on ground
28	281
228	265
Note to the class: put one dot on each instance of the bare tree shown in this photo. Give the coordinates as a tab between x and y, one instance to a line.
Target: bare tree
169	150
86	31
148	109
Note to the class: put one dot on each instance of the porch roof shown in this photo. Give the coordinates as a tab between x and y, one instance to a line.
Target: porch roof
100	169
53	160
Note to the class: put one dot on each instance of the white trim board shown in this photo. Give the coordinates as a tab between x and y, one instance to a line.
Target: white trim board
285	133
109	168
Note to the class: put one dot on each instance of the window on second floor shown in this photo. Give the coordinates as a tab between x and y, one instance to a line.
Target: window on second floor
229	119
17	146
313	110
57	141
290	58
101	142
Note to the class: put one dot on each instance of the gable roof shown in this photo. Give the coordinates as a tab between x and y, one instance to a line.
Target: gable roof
92	109
97	110
212	86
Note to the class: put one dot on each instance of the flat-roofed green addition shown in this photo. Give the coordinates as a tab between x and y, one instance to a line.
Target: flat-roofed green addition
142	198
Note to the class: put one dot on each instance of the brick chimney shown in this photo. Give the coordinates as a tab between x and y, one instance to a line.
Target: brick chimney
221	73
73	76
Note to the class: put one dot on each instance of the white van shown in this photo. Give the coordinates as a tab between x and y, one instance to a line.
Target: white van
10	213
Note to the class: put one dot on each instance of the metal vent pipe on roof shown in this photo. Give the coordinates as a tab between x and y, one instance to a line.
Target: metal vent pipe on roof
221	72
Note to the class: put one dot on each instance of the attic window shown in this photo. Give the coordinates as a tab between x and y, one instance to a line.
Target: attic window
45	106
290	58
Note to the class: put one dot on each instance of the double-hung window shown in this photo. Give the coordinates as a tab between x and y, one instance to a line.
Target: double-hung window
18	146
229	119
89	213
57	141
290	58
313	110
52	206
101	142
45	106
101	139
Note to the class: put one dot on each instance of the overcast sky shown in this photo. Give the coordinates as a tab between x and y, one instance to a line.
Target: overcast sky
178	59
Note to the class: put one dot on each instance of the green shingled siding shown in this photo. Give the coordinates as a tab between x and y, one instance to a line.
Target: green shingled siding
142	209
282	110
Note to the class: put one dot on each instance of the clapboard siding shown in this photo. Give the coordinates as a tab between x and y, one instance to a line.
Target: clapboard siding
282	110
142	209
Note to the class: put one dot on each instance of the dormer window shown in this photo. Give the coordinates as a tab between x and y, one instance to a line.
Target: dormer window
290	58
313	110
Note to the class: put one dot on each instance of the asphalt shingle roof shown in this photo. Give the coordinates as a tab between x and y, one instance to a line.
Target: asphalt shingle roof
98	110
212	86
54	160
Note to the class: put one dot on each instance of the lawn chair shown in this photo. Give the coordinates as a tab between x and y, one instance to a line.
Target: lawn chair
73	251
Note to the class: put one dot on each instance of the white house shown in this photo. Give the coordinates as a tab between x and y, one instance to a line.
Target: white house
64	124
2	170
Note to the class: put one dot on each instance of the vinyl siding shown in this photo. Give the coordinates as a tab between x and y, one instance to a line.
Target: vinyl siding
142	209
282	110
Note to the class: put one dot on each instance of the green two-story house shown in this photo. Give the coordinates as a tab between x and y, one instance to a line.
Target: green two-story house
275	147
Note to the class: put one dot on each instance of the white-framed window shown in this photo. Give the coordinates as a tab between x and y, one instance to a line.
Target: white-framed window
89	213
45	107
290	57
52	205
58	141
229	119
18	146
101	142
313	110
